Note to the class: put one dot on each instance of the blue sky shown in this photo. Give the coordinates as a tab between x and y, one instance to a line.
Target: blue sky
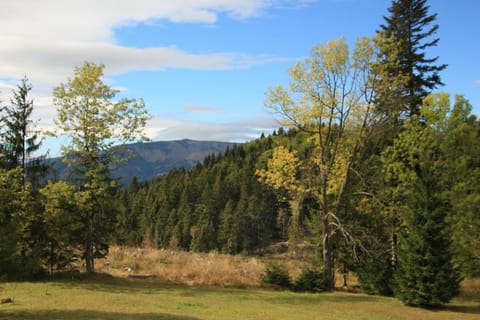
203	66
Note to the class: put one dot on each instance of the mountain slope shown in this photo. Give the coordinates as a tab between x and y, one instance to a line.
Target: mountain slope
153	159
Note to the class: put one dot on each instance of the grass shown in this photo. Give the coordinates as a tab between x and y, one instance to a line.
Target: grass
198	269
189	268
192	286
116	298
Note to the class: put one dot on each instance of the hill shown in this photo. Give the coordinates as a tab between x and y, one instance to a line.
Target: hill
153	159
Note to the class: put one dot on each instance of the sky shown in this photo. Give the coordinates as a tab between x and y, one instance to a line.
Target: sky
203	66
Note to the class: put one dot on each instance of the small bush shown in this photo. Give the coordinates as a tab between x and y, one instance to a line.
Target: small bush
277	275
310	280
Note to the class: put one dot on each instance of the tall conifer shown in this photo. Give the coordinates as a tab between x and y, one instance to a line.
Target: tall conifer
19	141
411	28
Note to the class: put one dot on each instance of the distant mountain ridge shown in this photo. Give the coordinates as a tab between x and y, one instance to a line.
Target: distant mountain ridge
153	159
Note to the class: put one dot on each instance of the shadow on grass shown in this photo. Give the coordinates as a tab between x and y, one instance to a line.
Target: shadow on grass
309	298
461	309
87	314
144	286
113	285
107	283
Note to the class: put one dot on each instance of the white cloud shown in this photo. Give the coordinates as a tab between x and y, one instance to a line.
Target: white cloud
233	131
47	39
202	109
51	62
174	129
477	82
94	20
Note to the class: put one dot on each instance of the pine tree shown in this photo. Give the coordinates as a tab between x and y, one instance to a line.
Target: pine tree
409	26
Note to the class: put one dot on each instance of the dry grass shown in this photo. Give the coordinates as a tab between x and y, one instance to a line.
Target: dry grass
470	290
101	296
178	267
221	270
200	269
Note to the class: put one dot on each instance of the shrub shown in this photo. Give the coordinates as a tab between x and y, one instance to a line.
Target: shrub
376	276
310	280
277	275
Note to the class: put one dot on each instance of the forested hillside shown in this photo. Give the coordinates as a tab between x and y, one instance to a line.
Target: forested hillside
217	205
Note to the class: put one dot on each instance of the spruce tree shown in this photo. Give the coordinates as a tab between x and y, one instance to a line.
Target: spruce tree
418	165
411	28
19	141
425	274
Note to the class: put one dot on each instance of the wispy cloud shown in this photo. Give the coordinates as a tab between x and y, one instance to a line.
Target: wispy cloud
202	109
477	82
234	131
6	86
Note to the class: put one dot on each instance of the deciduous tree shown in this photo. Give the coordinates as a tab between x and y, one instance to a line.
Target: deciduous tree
330	96
94	122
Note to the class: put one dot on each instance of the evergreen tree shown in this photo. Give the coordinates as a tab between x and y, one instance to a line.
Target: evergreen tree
228	231
17	259
61	225
217	205
463	145
418	164
409	26
18	139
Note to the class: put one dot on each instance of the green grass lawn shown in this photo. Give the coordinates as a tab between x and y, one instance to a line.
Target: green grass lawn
123	299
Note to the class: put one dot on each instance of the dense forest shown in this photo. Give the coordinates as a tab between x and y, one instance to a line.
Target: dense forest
373	170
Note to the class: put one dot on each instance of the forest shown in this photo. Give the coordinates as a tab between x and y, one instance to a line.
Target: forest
374	169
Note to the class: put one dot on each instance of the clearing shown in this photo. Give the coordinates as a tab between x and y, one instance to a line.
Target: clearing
121	299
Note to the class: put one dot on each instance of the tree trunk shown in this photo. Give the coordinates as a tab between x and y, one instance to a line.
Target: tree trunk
393	247
52	252
327	254
89	263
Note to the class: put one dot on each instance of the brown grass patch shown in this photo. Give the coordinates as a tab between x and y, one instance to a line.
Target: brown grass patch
202	269
470	289
178	267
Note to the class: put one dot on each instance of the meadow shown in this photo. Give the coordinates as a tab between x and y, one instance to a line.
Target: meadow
190	286
116	298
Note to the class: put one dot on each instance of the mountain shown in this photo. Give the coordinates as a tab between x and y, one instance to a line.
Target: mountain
153	159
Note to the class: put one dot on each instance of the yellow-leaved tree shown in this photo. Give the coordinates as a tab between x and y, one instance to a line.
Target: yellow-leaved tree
95	122
330	96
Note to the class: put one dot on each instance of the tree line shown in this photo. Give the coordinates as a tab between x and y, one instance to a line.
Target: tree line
374	170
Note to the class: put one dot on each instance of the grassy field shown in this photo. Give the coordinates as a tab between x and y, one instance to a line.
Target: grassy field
122	299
